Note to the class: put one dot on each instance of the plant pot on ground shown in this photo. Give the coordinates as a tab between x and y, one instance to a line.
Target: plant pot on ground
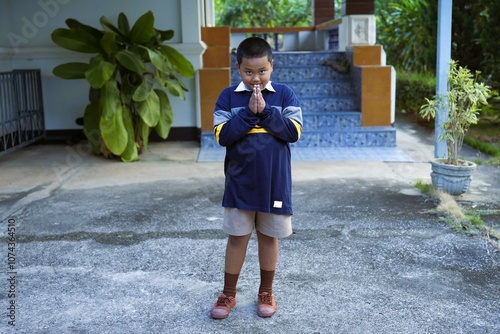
129	78
460	105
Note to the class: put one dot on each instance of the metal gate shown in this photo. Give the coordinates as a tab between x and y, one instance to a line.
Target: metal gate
21	109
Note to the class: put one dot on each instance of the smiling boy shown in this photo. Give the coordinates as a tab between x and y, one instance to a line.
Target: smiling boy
255	120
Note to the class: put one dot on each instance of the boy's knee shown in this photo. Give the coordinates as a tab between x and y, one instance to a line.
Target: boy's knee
235	240
265	238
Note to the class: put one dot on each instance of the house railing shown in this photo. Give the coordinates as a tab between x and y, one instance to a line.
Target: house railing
21	109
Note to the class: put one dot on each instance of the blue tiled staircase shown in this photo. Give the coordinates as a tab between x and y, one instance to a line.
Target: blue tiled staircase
331	109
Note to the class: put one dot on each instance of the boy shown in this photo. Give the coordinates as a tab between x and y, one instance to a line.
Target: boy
255	120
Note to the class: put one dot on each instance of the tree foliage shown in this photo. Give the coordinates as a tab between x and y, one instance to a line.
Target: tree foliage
263	13
408	31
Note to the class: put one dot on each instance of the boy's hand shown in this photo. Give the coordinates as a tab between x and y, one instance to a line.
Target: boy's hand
257	103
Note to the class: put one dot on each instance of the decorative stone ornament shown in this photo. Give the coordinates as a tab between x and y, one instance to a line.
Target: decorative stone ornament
357	30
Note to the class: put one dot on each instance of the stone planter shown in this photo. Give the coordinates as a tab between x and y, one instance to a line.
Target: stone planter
454	180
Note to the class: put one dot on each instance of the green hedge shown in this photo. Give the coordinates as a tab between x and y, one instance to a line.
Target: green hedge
411	91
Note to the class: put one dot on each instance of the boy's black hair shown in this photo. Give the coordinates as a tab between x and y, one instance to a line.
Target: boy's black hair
254	47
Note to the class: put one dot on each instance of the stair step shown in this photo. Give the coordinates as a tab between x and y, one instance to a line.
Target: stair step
306	73
306	58
331	120
330	88
358	137
317	104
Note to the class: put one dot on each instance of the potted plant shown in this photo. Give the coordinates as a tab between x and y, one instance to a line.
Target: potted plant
129	77
465	96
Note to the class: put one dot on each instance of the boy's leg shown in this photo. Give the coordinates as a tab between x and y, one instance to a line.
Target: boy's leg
236	250
268	258
235	256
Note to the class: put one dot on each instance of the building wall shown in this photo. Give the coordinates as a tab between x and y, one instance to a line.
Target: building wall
26	26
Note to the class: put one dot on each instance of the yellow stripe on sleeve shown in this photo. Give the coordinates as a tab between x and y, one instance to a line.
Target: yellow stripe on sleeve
217	130
298	126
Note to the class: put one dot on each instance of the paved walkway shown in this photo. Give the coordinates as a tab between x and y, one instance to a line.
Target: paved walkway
109	247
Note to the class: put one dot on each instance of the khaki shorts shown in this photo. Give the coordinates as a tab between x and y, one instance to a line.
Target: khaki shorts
242	222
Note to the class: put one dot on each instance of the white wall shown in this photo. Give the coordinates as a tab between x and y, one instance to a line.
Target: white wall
25	43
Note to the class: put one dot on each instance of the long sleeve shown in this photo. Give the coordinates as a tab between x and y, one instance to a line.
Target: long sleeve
281	126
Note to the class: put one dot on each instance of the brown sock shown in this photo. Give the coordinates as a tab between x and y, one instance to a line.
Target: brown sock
266	281
230	281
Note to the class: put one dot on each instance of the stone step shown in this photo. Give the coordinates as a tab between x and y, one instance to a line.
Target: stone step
330	88
331	121
360	137
356	137
318	104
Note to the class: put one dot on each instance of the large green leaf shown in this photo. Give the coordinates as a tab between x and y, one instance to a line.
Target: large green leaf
131	61
109	26
94	95
108	43
143	30
123	24
180	63
176	88
114	133
165	35
77	40
71	70
149	109
75	24
99	72
130	153
91	126
159	61
142	92
166	115
143	131
128	87
110	99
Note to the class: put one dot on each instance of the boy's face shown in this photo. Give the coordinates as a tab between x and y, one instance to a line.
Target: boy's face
255	71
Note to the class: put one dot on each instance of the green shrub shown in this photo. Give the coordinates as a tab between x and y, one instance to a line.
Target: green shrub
411	91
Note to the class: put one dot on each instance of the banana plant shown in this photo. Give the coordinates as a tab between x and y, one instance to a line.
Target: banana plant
131	76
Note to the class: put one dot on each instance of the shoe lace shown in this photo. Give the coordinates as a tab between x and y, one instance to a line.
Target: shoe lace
265	298
223	301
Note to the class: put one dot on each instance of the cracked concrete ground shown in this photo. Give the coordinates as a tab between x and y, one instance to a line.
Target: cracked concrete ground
111	247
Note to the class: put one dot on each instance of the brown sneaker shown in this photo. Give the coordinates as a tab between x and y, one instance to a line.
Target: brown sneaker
266	306
222	307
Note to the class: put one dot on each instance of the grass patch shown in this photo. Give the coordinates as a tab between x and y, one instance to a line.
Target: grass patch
461	219
425	188
485	137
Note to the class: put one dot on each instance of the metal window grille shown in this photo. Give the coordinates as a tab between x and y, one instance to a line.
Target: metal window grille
21	109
